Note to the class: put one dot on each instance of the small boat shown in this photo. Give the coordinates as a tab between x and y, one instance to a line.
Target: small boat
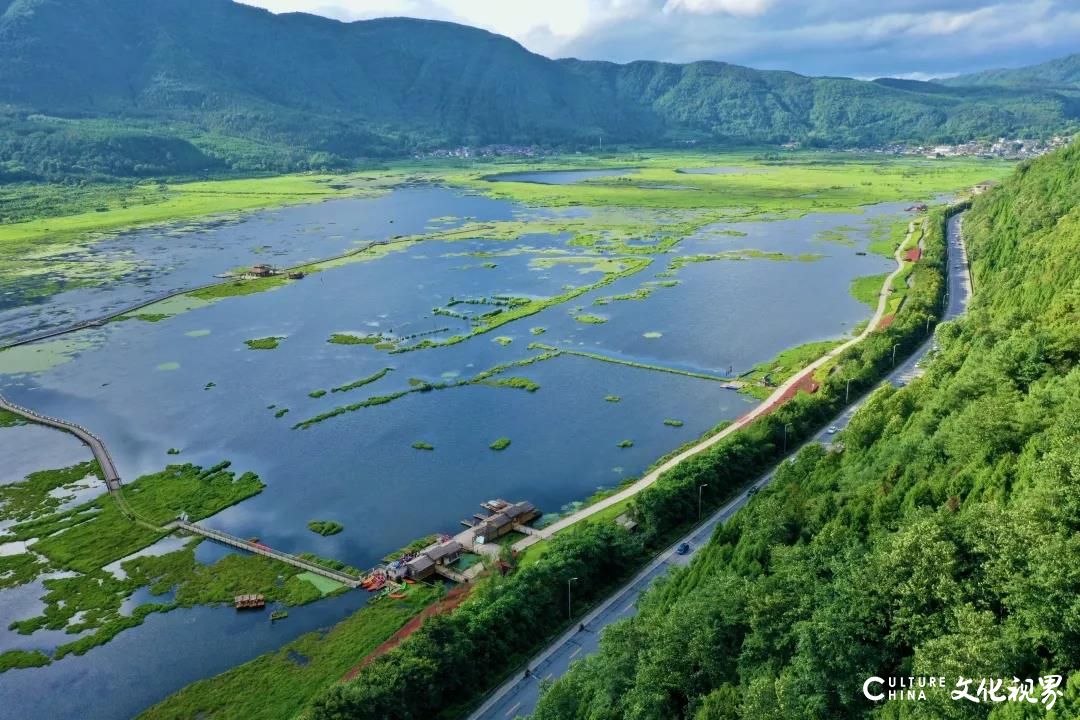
396	596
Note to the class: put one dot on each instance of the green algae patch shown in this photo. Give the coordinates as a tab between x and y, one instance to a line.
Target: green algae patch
517	382
168	366
626	444
266	343
325	527
652	335
612	398
500	444
421	445
587	319
673	423
352	339
197	333
38	357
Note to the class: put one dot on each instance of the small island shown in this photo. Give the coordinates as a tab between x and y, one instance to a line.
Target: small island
266	343
325	527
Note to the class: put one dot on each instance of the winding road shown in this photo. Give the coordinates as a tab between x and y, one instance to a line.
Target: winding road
518	695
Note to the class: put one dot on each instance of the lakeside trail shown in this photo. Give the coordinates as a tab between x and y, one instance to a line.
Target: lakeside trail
783	393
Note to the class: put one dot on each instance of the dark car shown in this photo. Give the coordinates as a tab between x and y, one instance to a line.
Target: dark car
683	548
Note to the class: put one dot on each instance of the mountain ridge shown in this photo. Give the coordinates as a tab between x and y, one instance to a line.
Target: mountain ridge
151	87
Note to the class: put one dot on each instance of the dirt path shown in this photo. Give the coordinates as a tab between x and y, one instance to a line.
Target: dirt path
453	598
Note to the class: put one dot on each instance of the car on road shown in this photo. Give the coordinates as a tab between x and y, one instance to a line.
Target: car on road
683	548
833	430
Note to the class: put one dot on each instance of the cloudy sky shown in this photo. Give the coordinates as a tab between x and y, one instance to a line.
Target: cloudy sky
860	38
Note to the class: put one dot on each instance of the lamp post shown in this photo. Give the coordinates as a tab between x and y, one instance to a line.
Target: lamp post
786	426
700	488
569	611
847	393
894	354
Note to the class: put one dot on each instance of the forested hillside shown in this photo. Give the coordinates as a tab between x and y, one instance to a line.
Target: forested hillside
122	88
1061	73
941	541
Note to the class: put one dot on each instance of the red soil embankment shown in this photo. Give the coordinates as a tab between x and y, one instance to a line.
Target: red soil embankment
453	598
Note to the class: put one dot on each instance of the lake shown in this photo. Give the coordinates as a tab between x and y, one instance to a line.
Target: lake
142	387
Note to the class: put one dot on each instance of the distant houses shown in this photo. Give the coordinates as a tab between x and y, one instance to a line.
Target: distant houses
263	270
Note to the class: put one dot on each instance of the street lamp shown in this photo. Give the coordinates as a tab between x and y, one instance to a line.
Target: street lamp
894	354
785	436
700	488
847	393
569	612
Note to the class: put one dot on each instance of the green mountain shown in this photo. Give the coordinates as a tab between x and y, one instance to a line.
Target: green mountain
933	544
150	87
1061	74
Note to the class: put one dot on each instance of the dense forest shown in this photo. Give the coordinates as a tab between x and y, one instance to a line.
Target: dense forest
941	541
140	88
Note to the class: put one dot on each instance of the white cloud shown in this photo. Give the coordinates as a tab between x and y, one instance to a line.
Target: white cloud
837	37
710	7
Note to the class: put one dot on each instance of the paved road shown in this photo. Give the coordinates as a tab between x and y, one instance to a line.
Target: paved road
763	407
519	695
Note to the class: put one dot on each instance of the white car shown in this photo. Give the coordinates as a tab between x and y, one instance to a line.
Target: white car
832	430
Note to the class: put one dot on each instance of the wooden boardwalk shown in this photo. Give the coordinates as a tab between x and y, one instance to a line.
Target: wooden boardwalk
226	539
101	453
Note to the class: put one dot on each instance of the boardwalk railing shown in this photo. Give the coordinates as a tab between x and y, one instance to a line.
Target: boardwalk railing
101	453
226	539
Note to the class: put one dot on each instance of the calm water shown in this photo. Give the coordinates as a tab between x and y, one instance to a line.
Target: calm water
140	386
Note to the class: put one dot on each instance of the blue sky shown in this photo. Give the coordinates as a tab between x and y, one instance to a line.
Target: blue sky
858	38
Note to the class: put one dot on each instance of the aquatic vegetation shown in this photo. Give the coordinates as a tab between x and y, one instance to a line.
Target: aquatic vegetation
612	398
736	255
421	445
362	381
10	419
325	527
504	340
839	235
642	293
350	339
266	343
276	679
673	423
15	659
168	366
281	413
538	330
626	444
316	393
86	538
590	319
517	382
500	443
41	492
239	288
652	335
172	451
209	385
866	289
